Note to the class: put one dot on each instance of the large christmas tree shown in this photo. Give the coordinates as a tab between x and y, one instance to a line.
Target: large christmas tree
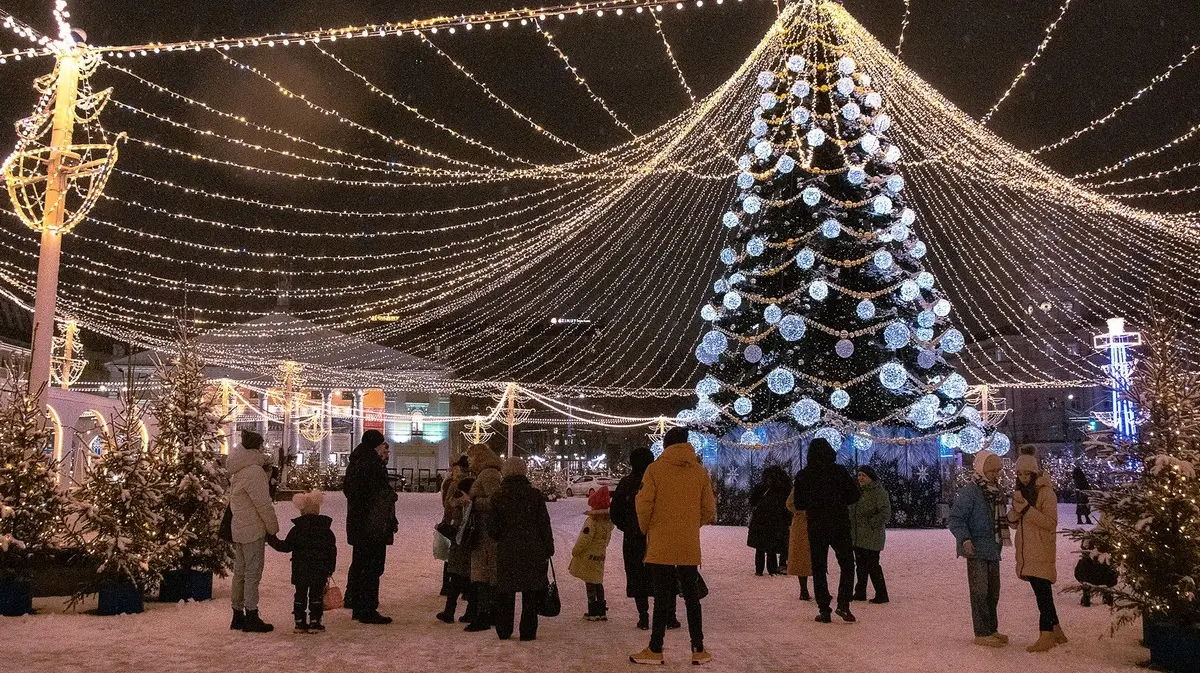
188	444
825	318
32	508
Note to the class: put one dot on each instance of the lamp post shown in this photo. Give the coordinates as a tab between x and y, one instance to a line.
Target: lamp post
1117	342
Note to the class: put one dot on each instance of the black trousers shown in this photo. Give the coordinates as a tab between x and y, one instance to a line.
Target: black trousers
483	600
310	597
362	582
505	606
842	550
595	592
456	586
1043	591
768	558
668	581
866	567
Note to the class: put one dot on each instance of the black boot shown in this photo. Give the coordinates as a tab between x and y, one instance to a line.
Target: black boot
602	610
301	626
643	621
315	626
239	620
255	625
372	617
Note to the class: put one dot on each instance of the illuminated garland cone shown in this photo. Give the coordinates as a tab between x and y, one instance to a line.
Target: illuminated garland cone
824	317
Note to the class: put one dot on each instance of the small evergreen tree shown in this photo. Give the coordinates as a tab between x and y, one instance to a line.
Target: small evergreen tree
188	445
32	509
120	504
1149	526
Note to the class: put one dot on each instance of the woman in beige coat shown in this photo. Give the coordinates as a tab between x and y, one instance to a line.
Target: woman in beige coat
1034	514
799	559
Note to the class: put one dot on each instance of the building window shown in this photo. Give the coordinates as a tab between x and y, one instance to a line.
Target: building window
999	355
418	423
1073	348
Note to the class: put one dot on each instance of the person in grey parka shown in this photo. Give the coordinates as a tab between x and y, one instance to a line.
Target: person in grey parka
252	521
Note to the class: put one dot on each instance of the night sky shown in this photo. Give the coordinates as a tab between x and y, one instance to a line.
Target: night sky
1102	53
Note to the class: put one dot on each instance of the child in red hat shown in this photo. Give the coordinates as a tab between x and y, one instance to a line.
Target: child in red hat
587	557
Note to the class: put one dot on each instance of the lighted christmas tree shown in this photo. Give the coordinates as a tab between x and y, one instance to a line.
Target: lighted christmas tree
32	509
188	441
1149	527
120	503
825	318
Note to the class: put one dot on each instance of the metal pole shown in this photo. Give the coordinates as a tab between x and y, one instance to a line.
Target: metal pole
66	92
512	413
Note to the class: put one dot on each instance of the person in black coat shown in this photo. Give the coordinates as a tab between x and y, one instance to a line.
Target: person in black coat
370	525
770	520
825	491
633	546
1083	507
314	556
520	525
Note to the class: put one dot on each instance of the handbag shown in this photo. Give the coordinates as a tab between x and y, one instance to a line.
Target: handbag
447	530
226	530
441	547
551	602
333	597
701	587
468	531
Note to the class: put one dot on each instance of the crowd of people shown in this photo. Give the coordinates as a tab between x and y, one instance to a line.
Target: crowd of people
496	540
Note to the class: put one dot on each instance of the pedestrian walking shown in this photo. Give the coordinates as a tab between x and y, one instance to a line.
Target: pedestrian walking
979	523
371	525
869	518
253	519
1034	514
824	490
590	550
676	499
519	524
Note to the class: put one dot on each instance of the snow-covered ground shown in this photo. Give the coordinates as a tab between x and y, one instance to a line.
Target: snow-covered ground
751	623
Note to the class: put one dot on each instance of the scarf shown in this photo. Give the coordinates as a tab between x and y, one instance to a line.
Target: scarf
998	500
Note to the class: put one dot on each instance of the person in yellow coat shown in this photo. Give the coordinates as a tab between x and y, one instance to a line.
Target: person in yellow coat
587	557
799	559
675	501
1034	514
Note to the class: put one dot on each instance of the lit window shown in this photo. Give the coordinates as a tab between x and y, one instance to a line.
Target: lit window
418	422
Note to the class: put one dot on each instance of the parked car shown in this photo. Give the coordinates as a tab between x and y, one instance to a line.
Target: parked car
586	484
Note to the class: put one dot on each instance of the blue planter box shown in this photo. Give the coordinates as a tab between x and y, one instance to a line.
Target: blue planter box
118	598
185	585
16	597
1173	647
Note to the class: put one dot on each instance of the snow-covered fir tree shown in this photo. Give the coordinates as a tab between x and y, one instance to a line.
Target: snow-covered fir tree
32	508
120	503
188	443
1149	527
825	318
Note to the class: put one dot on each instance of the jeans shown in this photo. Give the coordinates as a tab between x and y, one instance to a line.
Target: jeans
770	558
312	598
505	607
866	566
844	553
983	580
668	581
362	582
1043	591
247	573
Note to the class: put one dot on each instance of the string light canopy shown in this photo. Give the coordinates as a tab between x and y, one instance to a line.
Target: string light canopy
469	244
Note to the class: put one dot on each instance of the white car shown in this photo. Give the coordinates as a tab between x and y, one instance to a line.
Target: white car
587	484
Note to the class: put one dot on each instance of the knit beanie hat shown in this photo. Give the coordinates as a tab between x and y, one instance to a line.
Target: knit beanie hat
869	471
251	440
309	503
600	498
640	458
676	435
983	458
514	467
1028	463
372	439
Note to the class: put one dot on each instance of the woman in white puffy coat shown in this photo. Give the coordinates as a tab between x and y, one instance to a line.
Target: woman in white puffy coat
253	520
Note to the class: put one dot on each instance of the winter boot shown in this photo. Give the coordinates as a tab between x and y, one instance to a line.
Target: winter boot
592	613
989	641
445	617
804	595
647	657
845	614
701	657
1001	637
255	625
643	621
823	617
301	626
673	622
239	620
602	611
1059	636
1045	642
315	626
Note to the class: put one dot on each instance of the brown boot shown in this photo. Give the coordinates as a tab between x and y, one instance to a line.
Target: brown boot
1045	642
1059	636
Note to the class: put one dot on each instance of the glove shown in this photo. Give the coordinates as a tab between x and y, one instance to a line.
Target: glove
968	548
